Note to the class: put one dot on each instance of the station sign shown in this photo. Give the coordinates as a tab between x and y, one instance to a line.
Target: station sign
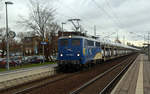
12	34
43	43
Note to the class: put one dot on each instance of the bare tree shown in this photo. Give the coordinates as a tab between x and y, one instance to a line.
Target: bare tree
52	30
52	39
39	18
3	41
41	21
14	45
22	35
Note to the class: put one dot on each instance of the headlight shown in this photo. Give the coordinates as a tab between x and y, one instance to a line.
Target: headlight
78	54
61	54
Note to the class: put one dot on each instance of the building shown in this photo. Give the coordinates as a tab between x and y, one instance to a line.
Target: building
31	45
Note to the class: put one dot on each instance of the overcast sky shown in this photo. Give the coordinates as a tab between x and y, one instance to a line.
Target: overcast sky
130	18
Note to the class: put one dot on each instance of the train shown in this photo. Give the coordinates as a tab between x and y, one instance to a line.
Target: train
75	52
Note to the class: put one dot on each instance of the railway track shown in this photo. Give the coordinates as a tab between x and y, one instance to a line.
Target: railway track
23	89
50	81
86	88
66	83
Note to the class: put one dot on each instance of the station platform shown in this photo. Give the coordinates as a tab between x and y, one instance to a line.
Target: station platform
26	69
13	78
137	79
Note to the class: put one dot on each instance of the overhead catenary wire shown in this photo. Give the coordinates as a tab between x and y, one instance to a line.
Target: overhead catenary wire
114	13
117	21
77	15
111	14
108	15
72	10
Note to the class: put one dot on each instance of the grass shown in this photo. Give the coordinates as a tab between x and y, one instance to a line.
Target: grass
2	69
27	66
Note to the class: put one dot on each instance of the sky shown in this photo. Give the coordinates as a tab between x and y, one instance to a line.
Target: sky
129	19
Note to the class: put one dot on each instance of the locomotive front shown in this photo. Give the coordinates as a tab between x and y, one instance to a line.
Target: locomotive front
70	50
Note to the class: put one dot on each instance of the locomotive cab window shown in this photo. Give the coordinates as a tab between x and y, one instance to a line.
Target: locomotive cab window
90	43
75	42
97	44
64	42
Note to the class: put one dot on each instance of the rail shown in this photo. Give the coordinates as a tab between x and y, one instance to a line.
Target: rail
116	78
94	79
24	91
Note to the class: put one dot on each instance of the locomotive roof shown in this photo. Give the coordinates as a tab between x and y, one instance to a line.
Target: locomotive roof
102	41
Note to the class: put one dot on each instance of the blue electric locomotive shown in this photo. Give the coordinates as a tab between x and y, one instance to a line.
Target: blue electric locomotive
78	50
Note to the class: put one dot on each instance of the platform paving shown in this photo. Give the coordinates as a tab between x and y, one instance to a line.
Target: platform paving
146	76
20	76
137	79
25	69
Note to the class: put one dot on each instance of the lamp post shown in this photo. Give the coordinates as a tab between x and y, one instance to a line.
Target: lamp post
7	37
43	48
148	48
62	27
